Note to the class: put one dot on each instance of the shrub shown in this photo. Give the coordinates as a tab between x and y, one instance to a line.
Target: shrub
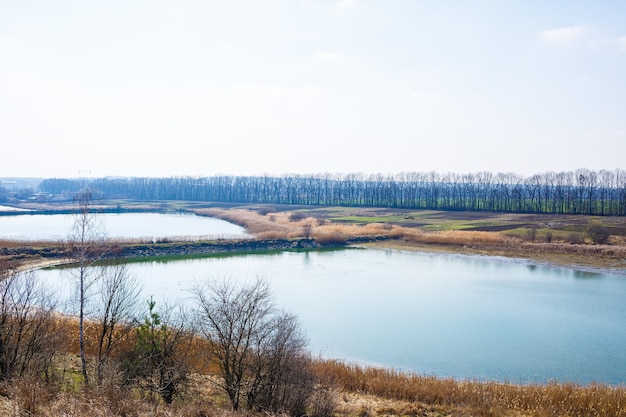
265	210
598	233
575	238
548	236
260	351
159	361
531	233
323	403
296	217
330	238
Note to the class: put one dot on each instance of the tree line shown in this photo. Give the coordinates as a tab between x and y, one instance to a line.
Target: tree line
582	191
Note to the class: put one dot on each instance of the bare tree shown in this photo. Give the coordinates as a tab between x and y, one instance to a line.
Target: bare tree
27	336
282	379
86	245
118	292
260	351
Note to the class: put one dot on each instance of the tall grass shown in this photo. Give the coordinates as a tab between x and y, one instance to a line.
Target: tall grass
453	237
282	225
481	398
367	391
29	243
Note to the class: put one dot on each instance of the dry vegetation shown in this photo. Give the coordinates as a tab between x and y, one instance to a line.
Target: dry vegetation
557	247
355	391
371	389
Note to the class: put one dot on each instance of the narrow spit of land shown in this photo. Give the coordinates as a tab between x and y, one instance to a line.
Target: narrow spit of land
560	240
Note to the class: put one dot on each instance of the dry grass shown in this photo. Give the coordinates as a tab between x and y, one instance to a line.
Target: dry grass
29	397
284	225
453	237
265	224
14	243
361	392
472	397
262	226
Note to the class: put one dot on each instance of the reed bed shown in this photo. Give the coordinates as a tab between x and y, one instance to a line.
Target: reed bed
262	226
146	240
480	398
453	237
20	243
600	251
288	225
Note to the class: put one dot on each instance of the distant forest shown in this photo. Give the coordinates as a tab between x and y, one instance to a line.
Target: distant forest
573	192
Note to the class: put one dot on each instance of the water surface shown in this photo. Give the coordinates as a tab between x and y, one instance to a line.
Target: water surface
446	315
122	225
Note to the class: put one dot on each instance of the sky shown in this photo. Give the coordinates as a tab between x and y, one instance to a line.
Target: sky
200	88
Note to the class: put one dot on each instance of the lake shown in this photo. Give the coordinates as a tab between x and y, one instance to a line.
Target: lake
483	318
125	225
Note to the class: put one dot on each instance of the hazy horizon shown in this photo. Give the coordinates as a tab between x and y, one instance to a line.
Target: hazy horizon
195	88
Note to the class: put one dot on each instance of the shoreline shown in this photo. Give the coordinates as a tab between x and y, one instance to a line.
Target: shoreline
558	260
191	249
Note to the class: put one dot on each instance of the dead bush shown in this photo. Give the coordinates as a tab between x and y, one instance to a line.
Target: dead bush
296	216
575	238
598	233
330	238
323	403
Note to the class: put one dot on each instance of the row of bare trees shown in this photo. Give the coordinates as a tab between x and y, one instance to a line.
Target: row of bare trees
581	191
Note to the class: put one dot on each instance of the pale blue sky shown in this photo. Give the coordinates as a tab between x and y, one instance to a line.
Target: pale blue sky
160	88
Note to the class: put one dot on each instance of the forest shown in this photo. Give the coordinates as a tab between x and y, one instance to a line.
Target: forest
581	191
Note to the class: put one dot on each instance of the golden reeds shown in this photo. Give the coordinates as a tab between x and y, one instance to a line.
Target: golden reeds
283	225
482	398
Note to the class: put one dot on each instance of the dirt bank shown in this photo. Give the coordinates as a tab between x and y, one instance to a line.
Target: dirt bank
569	260
37	257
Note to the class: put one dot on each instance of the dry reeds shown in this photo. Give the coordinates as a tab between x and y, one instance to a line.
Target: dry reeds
482	398
284	225
289	225
28	397
262	226
453	237
28	243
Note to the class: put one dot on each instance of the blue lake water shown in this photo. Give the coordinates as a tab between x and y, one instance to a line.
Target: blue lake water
125	225
447	315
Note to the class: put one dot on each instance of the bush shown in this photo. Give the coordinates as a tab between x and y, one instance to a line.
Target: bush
265	210
598	233
330	238
259	350
160	359
295	216
575	238
549	236
323	403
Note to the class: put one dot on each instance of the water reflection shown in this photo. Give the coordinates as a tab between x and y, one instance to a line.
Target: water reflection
459	316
